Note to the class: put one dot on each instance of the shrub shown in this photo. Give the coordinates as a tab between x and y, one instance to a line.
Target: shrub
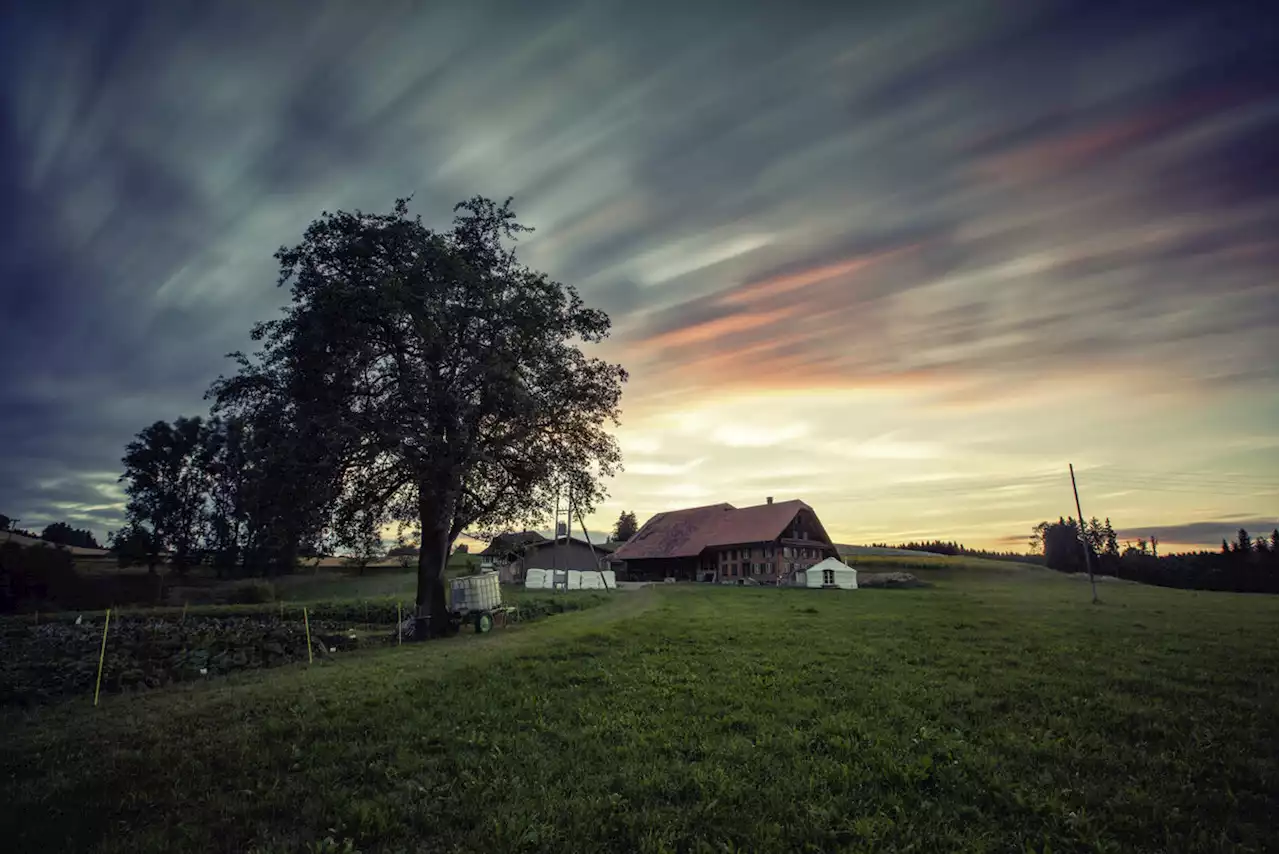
32	575
253	592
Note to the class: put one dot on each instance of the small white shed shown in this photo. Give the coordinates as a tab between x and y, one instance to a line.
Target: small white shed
830	573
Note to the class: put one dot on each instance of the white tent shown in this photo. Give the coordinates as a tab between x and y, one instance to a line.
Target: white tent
831	572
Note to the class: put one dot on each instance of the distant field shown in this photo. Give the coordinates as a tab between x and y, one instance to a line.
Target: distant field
934	564
996	710
876	551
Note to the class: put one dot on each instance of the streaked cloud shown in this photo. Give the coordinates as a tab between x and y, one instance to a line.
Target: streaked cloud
905	260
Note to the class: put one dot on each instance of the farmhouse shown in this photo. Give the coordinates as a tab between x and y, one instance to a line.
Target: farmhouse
511	554
721	541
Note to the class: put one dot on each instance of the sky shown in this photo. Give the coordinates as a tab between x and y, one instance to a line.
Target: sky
904	261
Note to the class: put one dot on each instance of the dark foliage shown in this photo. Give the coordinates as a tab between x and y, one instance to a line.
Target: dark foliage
44	578
1246	566
625	528
63	534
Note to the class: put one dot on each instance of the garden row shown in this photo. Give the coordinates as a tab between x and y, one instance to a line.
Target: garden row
56	656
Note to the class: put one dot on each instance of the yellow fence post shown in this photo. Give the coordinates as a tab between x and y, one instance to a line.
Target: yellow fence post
102	656
307	624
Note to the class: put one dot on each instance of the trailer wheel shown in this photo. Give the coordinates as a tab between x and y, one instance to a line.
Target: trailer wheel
484	622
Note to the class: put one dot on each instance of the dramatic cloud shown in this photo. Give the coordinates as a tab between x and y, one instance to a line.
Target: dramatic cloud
904	261
1201	532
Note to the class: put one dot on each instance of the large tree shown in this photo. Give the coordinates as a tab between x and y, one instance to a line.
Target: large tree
430	379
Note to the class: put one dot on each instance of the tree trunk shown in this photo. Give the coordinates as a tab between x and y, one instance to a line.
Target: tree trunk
432	618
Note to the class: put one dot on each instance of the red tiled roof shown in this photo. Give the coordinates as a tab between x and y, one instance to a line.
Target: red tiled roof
754	524
685	533
677	533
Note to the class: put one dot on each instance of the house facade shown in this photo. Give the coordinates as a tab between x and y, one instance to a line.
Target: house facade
720	541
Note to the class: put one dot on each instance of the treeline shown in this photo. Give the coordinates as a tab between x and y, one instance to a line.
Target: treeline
1247	565
63	534
59	533
954	549
240	494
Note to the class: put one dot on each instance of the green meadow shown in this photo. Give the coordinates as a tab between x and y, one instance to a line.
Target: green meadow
994	710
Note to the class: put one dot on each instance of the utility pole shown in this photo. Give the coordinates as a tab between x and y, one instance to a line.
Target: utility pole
582	522
1084	542
555	538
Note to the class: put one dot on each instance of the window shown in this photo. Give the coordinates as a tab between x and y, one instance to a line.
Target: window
828	576
733	569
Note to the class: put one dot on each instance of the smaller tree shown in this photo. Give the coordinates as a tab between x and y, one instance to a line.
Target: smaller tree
625	528
135	546
1243	542
1109	543
166	482
5	521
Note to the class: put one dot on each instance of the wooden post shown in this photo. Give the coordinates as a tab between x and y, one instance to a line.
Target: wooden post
399	624
307	625
102	656
1084	542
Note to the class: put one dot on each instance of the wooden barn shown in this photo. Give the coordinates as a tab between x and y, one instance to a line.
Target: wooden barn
511	555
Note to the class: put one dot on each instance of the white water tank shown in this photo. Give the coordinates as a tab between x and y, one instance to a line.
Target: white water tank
475	593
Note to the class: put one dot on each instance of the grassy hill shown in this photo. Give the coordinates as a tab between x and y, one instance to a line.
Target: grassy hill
994	710
847	550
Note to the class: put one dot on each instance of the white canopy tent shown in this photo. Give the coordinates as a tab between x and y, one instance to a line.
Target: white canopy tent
830	573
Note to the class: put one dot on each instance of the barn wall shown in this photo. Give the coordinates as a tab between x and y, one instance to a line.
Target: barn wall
656	569
574	555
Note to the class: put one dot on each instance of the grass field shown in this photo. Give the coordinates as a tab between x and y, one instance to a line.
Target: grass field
996	710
